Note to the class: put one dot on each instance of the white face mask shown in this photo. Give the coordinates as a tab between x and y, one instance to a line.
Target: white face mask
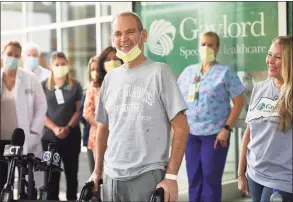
31	63
10	63
131	55
60	71
206	54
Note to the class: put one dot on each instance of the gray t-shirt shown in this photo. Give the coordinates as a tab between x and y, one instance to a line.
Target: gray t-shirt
61	114
269	152
137	105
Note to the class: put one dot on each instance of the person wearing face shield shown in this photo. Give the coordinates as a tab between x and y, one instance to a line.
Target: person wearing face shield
138	105
23	105
31	55
64	94
207	88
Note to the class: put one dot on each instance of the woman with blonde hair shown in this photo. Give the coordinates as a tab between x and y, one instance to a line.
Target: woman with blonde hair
208	87
88	106
266	151
63	94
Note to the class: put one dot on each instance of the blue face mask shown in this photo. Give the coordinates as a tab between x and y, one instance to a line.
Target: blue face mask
10	63
30	63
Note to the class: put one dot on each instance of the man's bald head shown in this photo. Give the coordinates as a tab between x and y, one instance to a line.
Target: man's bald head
131	14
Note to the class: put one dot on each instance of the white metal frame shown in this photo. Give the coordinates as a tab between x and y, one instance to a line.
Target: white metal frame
282	18
58	25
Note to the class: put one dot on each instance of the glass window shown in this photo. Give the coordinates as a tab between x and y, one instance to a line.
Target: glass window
106	34
41	13
77	10
114	8
11	16
79	45
48	43
14	37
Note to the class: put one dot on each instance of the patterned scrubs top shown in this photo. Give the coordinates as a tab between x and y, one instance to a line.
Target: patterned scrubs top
209	113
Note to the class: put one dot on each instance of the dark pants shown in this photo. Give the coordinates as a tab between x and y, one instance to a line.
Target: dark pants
3	164
69	149
91	160
205	167
260	193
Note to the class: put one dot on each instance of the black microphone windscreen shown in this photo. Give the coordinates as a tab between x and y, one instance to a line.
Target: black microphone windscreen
17	137
51	146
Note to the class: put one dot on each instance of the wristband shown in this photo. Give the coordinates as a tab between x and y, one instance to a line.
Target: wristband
171	177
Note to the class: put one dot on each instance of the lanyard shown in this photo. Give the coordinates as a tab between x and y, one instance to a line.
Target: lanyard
193	89
198	75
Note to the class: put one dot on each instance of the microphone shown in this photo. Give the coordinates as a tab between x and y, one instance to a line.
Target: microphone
13	154
31	190
50	163
28	164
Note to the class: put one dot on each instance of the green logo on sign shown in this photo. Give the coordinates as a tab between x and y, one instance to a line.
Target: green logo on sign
261	106
161	37
246	30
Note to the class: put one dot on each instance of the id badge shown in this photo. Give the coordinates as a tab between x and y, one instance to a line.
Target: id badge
59	96
191	93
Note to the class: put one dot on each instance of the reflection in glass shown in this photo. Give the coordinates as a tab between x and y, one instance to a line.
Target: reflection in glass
105	8
106	34
77	10
11	16
229	171
48	43
113	8
14	37
79	45
41	13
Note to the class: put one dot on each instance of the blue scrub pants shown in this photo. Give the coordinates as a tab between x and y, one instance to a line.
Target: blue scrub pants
205	167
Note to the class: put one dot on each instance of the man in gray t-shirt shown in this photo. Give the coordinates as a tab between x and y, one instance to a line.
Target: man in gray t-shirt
139	102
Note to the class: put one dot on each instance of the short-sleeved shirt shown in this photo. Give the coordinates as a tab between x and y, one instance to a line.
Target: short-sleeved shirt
209	113
269	152
138	104
61	114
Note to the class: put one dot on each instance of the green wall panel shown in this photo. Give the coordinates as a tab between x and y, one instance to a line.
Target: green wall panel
246	30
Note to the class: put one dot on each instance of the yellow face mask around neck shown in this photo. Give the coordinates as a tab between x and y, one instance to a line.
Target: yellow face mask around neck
131	55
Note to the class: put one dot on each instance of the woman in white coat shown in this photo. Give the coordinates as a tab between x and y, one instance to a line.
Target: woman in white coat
23	105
